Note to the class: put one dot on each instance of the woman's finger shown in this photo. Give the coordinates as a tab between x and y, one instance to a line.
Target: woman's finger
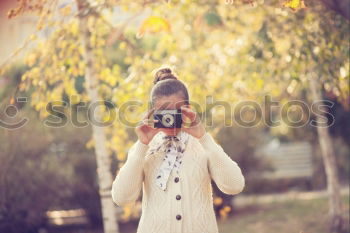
149	113
187	109
145	117
149	122
189	113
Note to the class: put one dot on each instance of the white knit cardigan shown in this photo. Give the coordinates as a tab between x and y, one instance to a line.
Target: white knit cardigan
186	206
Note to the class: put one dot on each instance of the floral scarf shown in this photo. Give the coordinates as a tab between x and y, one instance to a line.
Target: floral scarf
173	148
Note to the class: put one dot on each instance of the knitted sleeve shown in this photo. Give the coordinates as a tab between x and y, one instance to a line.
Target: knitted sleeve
224	171
127	184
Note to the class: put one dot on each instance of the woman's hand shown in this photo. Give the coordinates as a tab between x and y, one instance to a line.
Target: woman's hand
196	127
145	130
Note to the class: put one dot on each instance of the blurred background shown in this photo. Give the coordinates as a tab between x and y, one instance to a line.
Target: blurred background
270	79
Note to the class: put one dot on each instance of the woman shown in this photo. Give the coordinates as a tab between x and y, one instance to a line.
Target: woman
174	168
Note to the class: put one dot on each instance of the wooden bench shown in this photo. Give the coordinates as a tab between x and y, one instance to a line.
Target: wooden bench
288	160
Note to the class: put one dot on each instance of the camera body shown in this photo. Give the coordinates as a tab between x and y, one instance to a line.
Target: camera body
168	118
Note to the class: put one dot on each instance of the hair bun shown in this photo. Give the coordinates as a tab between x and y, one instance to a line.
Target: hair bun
163	74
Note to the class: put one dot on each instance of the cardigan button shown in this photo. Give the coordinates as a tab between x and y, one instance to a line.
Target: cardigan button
176	179
178	197
178	217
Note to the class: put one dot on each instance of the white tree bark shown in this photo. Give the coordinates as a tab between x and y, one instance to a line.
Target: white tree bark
327	151
105	179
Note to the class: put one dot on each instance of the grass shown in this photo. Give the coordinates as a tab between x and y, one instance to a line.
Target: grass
303	216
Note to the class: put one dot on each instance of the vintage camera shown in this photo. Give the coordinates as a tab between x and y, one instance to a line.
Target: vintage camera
168	118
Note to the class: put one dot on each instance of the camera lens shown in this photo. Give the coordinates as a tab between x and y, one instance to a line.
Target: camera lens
168	120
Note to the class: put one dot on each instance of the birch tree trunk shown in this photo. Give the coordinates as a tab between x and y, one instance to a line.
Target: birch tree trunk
103	159
327	151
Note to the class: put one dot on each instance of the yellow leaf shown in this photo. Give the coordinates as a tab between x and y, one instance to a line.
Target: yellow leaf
154	24
223	214
66	10
75	99
33	37
122	45
31	59
217	201
260	83
227	208
126	212
295	5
